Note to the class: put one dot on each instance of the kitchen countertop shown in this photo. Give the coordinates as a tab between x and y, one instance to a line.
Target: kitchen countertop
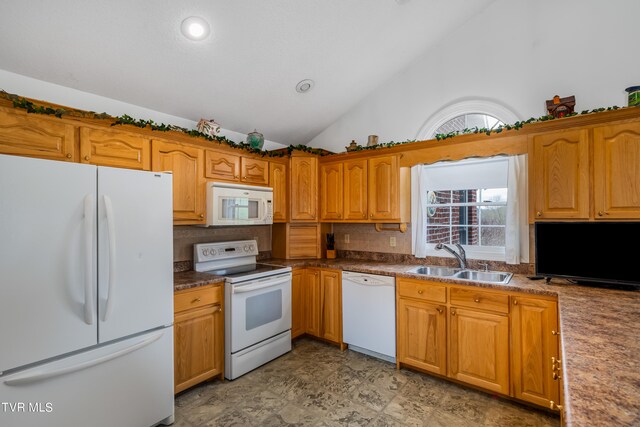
599	337
192	279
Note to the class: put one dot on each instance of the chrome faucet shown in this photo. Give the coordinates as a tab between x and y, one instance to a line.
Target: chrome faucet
461	257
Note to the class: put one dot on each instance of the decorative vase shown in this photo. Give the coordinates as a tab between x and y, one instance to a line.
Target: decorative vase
634	96
255	139
208	127
373	140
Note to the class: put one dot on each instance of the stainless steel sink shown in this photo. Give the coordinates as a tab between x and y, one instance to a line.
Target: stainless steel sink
484	276
498	277
434	270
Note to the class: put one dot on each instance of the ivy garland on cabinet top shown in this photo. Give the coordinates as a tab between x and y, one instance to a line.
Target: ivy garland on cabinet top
30	107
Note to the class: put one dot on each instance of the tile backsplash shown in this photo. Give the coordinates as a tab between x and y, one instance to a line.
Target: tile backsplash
184	237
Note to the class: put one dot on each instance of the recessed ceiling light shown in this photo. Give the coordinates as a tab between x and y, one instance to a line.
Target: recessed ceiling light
195	28
305	86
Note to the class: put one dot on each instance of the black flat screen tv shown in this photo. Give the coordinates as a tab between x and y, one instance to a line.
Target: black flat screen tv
592	252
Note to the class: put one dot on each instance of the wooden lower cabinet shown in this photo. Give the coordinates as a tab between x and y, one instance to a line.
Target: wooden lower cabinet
479	348
422	335
534	341
297	303
198	336
316	304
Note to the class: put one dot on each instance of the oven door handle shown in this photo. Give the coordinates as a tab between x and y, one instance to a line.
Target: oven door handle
261	285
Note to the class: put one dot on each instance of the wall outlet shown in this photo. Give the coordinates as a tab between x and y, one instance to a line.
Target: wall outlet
346	238
392	242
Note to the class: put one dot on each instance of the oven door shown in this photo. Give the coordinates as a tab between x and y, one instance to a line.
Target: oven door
260	309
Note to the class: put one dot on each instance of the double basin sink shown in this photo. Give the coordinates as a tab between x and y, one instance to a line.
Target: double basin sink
498	277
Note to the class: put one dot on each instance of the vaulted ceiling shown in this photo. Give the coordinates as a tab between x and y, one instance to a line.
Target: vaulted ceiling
244	74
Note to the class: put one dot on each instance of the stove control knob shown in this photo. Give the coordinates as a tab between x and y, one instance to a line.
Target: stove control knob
205	252
246	248
212	252
251	248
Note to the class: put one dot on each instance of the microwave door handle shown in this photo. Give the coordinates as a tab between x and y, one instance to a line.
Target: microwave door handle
260	285
264	214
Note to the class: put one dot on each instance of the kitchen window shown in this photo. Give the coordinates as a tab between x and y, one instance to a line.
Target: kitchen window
479	203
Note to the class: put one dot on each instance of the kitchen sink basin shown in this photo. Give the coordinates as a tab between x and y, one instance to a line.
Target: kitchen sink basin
484	276
434	270
498	277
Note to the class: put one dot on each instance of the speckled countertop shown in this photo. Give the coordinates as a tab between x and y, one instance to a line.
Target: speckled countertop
192	279
599	334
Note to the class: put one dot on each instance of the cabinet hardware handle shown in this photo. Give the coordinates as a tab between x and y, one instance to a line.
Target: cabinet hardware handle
453	312
236	176
87	157
196	300
439	310
218	309
370	215
553	405
601	213
201	215
555	332
420	291
244	177
538	213
364	215
477	299
339	215
515	302
68	155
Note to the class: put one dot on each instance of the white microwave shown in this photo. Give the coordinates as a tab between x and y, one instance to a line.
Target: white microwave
235	204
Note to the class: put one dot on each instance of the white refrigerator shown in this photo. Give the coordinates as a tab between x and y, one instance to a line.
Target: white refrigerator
86	295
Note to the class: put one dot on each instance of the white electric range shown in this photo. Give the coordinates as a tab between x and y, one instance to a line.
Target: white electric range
257	322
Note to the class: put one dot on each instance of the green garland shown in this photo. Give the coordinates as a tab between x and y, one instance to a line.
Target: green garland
30	107
517	125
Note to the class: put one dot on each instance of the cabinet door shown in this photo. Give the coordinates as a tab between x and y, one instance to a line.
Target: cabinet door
32	136
278	181
220	165
197	346
189	185
313	296
331	191
479	349
355	190
533	346
384	184
297	302
304	189
116	149
616	157
254	171
561	175
422	335
331	305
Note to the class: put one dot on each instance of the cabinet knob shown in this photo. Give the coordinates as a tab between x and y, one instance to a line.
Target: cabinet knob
87	158
236	176
244	177
420	291
339	215
477	299
364	215
440	310
601	213
218	309
538	213
515	302
453	312
201	215
555	332
370	215
68	155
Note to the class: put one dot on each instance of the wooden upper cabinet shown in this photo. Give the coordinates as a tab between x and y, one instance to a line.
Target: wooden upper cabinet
304	188
616	171
479	348
384	184
331	191
331	305
254	171
533	344
189	185
220	165
114	148
31	136
278	181
355	190
560	175
422	335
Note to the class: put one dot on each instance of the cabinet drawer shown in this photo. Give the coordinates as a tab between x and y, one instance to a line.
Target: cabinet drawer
474	298
198	297
421	289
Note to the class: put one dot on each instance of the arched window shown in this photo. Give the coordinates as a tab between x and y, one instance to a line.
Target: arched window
468	121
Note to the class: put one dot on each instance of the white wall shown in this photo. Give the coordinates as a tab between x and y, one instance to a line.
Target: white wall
517	53
45	91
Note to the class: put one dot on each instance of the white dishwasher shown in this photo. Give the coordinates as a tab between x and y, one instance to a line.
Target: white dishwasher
369	314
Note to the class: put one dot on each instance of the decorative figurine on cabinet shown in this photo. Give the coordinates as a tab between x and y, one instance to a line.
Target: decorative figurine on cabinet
560	107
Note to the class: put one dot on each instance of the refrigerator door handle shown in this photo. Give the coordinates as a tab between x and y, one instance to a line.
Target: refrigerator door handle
45	375
111	229
89	207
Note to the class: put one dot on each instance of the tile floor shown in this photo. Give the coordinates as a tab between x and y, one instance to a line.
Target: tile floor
318	385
